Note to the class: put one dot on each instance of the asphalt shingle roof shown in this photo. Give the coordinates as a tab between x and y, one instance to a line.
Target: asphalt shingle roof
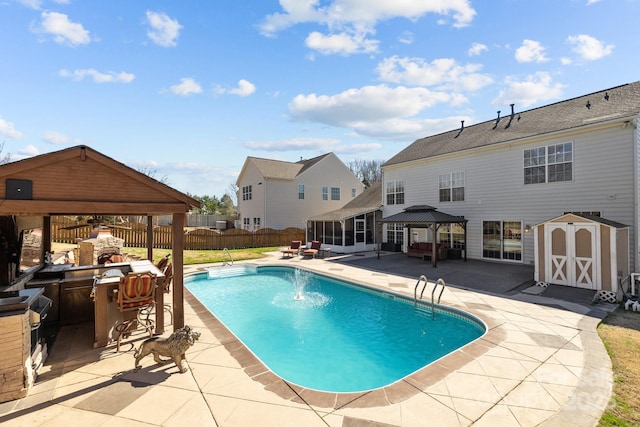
279	169
423	214
367	201
610	104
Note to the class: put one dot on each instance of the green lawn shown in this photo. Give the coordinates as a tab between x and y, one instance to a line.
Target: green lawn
190	257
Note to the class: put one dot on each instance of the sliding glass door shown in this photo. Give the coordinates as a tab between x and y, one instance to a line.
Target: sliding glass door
502	240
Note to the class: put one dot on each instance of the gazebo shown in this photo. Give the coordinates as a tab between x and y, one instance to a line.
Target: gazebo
82	181
425	216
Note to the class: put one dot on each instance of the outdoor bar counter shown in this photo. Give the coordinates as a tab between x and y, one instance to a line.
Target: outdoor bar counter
76	286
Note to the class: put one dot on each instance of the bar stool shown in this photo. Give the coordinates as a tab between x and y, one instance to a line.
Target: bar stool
136	300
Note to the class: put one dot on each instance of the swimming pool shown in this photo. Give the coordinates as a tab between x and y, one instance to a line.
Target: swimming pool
326	334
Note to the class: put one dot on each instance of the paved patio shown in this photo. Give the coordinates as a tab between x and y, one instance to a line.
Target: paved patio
541	363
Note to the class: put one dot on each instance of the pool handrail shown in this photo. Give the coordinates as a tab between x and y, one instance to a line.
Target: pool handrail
415	290
224	261
444	285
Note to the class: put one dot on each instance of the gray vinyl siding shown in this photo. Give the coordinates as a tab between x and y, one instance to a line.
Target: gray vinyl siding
603	171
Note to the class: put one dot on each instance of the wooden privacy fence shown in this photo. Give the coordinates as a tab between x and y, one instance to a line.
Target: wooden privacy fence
135	235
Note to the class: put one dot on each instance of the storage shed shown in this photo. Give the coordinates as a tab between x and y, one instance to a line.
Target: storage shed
583	251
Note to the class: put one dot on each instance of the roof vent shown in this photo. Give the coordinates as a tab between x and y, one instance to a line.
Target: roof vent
461	128
497	120
606	96
510	118
588	105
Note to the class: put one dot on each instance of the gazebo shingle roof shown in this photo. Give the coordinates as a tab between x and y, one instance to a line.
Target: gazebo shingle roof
423	214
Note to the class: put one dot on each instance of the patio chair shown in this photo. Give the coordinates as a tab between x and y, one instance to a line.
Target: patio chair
162	264
312	250
293	249
135	298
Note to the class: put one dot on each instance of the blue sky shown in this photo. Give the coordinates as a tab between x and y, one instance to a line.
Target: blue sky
189	88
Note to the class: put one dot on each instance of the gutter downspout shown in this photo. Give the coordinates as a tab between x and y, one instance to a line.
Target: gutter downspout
636	196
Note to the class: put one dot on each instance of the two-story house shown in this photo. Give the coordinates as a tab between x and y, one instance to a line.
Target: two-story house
278	194
507	177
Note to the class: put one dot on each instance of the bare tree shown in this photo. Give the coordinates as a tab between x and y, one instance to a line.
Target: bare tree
367	171
151	173
6	158
232	191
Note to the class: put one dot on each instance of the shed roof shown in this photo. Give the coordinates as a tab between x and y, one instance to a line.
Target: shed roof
569	217
617	103
80	180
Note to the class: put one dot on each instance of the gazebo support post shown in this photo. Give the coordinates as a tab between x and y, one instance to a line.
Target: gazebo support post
434	249
178	269
150	238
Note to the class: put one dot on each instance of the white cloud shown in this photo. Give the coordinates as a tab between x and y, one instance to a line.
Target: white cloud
535	88
531	51
476	49
350	21
245	88
409	130
97	76
187	86
444	72
320	145
164	30
367	104
377	111
343	43
292	144
589	48
31	4
406	37
57	138
565	61
28	151
363	13
7	130
62	29
590	2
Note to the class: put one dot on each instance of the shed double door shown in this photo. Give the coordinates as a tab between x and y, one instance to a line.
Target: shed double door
572	256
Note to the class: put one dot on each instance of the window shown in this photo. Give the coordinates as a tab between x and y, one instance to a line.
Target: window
335	193
353	192
256	223
301	191
246	223
451	187
325	193
553	163
395	192
560	158
246	192
395	233
452	235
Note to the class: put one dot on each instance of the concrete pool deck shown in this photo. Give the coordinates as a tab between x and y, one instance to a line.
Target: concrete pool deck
541	363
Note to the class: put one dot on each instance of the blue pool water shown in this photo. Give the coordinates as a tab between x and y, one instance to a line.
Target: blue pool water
338	337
